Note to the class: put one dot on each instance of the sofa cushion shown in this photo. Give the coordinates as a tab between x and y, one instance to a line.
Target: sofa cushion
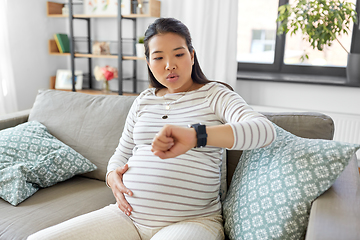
302	124
90	124
30	158
272	189
339	206
50	206
12	119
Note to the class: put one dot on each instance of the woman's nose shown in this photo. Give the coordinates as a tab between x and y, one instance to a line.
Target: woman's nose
170	65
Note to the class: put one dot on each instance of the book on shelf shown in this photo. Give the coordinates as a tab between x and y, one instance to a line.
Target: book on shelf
62	42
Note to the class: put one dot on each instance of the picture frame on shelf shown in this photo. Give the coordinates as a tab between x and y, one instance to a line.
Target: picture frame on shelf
108	7
64	79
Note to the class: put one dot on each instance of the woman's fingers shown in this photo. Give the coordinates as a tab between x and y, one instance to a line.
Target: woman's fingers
161	142
121	200
119	189
157	146
123	204
172	141
121	170
176	150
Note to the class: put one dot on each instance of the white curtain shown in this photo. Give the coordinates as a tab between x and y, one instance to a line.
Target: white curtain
213	28
8	101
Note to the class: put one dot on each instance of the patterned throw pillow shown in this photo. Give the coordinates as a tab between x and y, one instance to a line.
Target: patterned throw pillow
30	158
272	188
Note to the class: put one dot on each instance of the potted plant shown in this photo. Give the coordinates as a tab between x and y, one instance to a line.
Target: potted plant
140	49
321	22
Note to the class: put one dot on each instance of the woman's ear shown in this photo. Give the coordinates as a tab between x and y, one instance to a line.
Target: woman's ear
192	56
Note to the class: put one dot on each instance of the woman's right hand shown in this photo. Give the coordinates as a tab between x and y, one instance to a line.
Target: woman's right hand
115	182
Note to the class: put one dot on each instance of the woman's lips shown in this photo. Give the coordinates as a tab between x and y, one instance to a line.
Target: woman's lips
172	77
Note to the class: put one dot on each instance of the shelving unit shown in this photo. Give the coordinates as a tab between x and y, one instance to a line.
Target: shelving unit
53	50
54	10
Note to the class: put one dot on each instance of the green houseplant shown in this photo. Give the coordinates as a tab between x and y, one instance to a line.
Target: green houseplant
320	21
141	39
140	49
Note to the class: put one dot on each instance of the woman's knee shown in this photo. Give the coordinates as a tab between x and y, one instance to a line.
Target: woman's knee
207	228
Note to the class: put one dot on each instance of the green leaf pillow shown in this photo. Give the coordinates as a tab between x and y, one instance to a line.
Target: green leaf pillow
30	158
272	188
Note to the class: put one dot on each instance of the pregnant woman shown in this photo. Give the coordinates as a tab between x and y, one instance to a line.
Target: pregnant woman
165	172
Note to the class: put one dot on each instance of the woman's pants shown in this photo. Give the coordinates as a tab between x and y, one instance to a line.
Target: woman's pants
111	223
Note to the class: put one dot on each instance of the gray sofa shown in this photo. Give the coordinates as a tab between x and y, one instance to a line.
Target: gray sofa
92	125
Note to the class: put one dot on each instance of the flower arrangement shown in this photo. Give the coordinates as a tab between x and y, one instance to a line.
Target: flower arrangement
105	74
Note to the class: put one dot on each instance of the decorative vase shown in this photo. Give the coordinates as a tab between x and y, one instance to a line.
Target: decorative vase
140	50
105	87
353	69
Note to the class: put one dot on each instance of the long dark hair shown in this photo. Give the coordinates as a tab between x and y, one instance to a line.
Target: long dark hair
172	25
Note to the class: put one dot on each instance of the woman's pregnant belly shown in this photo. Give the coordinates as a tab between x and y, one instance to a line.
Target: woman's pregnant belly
171	190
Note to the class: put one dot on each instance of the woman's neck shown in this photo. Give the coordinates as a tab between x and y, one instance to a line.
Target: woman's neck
163	91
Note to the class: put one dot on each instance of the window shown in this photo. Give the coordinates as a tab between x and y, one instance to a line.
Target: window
257	31
260	49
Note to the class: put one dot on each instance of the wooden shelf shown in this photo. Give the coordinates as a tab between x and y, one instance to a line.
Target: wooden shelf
54	10
53	50
57	16
133	58
100	16
87	55
87	91
99	92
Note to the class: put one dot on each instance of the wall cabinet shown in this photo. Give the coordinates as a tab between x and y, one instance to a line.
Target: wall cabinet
54	10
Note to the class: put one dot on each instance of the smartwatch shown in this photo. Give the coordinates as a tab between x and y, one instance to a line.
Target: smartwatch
201	134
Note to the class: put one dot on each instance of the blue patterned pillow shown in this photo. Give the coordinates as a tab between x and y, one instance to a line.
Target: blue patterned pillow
30	158
272	188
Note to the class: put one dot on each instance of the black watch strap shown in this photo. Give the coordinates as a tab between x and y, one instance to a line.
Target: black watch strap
201	134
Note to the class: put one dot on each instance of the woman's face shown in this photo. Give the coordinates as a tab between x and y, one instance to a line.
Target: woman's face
171	62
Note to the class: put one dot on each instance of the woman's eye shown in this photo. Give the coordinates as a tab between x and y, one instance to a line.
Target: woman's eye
158	58
180	54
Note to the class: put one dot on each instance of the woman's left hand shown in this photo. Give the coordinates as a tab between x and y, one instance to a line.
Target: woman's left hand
172	141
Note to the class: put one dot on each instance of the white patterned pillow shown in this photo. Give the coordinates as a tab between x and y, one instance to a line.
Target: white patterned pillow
30	158
272	189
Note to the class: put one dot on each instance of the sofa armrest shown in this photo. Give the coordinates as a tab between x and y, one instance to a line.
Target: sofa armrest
336	213
13	119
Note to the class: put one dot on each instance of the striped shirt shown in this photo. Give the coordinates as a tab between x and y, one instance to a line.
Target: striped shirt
167	191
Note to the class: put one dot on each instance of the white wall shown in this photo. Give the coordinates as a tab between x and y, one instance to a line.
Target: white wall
308	97
29	31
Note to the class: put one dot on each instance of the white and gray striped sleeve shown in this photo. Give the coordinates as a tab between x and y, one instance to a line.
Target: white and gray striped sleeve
126	143
251	129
